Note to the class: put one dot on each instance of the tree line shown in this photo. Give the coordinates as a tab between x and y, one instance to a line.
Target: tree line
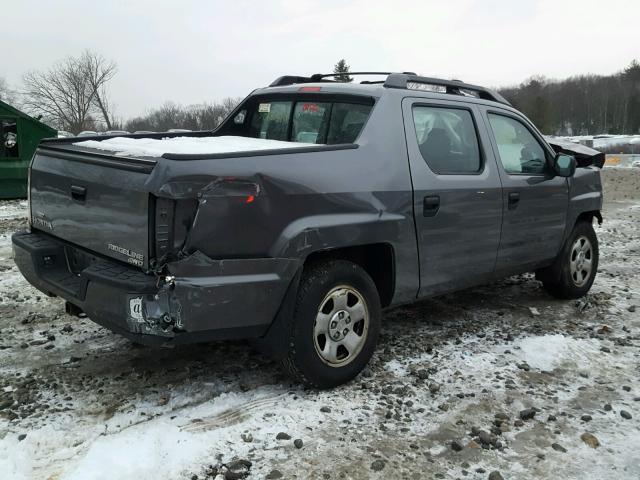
583	104
205	116
73	95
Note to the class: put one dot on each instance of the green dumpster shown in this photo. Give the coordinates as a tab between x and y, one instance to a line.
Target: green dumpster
19	138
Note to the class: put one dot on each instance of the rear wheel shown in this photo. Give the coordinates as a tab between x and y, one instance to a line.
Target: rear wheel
574	271
334	329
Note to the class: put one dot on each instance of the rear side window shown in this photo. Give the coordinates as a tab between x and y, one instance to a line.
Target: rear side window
303	121
347	120
310	122
271	120
519	150
447	140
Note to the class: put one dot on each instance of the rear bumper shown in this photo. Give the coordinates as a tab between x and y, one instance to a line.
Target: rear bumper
201	300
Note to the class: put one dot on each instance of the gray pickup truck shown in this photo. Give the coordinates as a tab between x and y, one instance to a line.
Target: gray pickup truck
371	195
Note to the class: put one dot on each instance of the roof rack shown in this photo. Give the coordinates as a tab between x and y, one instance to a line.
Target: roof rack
322	77
407	80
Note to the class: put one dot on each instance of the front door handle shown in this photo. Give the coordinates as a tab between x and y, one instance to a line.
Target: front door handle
430	205
514	198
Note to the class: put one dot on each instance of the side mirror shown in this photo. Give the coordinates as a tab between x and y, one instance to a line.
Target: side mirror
564	165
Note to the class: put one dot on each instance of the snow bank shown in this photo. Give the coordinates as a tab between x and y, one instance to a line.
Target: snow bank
151	147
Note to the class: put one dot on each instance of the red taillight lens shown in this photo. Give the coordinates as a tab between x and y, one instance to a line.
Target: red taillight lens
310	89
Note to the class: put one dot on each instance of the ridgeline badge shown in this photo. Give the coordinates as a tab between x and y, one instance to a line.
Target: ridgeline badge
133	258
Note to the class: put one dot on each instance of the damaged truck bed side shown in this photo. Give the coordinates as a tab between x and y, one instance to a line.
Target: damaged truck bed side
337	200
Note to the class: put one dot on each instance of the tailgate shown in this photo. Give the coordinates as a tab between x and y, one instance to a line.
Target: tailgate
95	201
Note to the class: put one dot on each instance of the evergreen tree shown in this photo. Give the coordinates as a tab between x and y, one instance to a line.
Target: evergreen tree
341	69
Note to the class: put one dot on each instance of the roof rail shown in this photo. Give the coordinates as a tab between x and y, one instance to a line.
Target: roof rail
455	87
407	80
321	77
289	80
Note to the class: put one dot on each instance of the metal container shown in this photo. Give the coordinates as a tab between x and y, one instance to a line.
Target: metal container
20	134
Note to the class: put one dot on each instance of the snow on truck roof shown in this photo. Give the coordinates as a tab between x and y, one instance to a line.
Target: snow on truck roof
151	147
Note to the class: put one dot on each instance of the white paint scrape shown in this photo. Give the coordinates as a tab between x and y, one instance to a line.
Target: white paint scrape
151	147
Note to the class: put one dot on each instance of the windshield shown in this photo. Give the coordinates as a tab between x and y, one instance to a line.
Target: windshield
301	119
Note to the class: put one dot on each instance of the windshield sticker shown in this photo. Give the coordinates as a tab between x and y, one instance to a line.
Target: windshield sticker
310	107
264	108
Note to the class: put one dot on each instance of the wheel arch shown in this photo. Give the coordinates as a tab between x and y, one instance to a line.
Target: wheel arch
588	216
377	259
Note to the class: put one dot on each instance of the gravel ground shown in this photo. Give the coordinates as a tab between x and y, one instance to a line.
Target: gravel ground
500	381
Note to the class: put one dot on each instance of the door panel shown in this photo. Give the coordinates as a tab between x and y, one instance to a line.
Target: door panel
535	200
458	216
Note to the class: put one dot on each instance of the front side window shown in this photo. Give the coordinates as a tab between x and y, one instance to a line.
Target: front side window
520	152
447	140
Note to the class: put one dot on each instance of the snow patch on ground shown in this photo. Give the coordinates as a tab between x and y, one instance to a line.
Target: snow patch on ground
548	352
13	209
141	452
395	367
150	147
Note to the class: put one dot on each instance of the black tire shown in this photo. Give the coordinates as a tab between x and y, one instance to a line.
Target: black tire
303	361
558	279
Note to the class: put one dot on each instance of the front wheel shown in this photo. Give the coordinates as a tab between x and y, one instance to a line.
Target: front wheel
574	271
334	329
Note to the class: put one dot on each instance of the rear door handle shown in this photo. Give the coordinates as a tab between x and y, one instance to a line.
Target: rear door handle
514	198
430	205
78	193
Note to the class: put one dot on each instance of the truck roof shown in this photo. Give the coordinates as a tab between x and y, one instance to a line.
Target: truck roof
423	86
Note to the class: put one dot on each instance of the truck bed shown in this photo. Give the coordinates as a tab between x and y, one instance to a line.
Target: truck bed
184	145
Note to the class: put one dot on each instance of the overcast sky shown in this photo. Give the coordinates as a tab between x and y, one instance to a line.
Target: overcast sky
195	51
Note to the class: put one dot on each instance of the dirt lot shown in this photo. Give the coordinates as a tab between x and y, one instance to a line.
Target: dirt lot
499	378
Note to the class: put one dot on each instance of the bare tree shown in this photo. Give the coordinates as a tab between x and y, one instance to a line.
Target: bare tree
6	94
99	72
72	93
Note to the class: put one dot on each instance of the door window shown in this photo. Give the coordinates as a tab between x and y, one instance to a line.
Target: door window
447	140
520	152
9	138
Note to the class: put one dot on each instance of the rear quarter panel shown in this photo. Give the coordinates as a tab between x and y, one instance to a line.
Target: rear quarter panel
291	205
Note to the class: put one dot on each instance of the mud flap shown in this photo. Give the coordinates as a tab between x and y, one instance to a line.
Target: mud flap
274	343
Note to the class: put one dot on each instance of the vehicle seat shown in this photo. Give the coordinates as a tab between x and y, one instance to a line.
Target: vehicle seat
437	149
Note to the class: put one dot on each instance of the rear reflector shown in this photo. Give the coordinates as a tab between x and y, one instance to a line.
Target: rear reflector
310	89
